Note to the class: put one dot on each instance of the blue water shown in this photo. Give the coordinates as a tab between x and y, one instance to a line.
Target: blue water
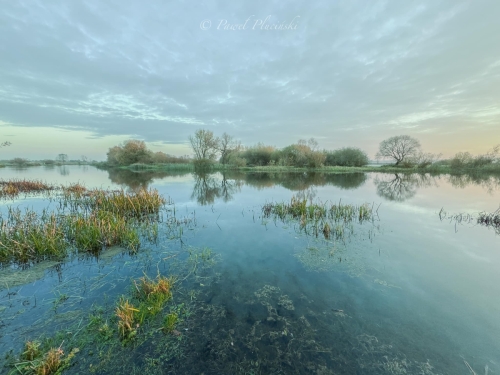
409	293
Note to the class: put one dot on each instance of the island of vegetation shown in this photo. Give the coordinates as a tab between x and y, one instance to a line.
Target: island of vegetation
400	153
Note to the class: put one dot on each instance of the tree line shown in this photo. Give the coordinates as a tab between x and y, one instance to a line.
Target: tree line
208	149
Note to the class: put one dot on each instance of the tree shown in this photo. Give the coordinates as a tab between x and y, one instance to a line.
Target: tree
205	146
62	158
227	146
399	148
347	156
130	152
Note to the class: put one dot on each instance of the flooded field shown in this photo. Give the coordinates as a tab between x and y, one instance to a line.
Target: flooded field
302	273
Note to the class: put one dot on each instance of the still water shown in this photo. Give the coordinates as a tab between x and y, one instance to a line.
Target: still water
414	291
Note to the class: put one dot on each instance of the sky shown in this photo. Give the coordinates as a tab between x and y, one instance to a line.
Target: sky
79	77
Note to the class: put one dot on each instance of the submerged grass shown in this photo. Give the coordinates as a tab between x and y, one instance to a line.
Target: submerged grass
33	360
331	220
300	209
490	219
151	296
12	188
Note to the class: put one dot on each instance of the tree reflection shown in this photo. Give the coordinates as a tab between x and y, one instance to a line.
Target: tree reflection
400	187
301	180
488	182
138	180
208	187
63	170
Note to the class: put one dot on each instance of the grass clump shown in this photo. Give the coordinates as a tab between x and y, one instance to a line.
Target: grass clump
34	362
101	229
29	236
126	204
12	188
315	218
125	313
86	220
490	219
151	296
300	209
169	322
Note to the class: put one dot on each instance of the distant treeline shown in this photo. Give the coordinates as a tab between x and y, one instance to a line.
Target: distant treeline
404	151
303	154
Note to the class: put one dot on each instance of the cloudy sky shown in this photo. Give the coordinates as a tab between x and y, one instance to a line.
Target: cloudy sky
78	77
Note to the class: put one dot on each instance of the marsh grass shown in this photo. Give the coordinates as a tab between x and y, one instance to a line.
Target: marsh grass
490	219
149	299
300	209
135	204
33	360
125	312
86	220
100	229
28	236
332	220
14	187
170	322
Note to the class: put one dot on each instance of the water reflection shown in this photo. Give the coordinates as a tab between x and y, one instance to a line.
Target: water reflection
490	183
63	170
138	180
400	187
208	187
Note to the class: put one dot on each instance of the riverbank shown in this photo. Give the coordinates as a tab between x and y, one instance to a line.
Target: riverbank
433	169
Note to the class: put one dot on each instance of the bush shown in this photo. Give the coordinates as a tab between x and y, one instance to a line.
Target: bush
466	160
346	157
202	164
19	162
258	155
131	152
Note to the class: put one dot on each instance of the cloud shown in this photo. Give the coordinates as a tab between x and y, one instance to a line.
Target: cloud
348	68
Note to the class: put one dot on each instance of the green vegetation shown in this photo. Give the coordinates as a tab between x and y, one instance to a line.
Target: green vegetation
33	361
224	153
346	157
12	188
87	221
328	219
135	152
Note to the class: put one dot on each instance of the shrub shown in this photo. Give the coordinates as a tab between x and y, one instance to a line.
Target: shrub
346	157
258	155
19	162
132	151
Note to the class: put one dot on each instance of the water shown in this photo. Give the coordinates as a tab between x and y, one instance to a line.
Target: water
413	292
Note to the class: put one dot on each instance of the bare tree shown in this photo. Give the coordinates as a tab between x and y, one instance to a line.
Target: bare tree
62	158
227	145
398	148
205	145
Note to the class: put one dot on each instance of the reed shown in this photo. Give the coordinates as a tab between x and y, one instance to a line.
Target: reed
28	236
100	229
12	188
136	204
125	313
490	219
152	294
34	361
331	220
300	209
